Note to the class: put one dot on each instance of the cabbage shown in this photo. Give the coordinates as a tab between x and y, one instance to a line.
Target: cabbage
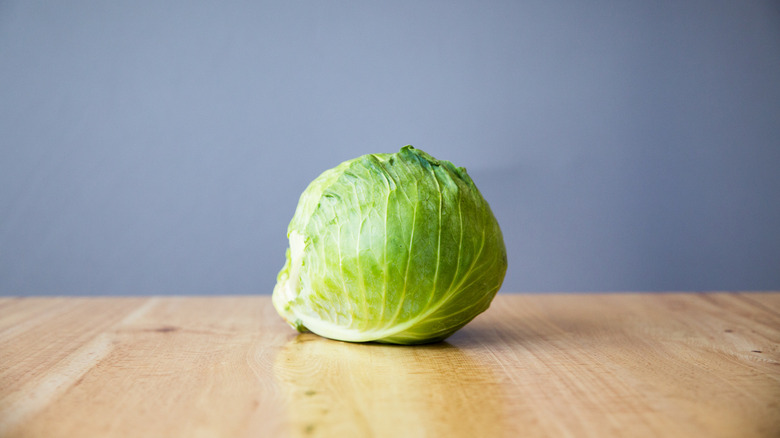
393	248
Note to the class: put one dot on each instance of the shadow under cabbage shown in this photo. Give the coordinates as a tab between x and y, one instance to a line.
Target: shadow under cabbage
346	389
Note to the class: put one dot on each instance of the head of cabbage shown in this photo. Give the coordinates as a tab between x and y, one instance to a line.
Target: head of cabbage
393	248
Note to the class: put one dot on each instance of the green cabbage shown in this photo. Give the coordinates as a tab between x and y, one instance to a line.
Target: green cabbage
394	248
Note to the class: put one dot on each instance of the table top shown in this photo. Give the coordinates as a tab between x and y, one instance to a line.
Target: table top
579	365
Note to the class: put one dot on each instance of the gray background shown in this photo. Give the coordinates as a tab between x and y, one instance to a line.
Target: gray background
160	147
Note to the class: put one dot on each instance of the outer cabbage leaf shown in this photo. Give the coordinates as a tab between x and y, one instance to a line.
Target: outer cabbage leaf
395	248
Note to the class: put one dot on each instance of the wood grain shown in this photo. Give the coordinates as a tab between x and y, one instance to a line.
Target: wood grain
589	365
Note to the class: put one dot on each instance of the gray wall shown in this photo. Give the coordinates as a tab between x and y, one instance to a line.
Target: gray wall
160	147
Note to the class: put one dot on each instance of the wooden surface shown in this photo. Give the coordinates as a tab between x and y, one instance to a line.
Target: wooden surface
596	365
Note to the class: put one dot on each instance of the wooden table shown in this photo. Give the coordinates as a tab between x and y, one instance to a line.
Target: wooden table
583	365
